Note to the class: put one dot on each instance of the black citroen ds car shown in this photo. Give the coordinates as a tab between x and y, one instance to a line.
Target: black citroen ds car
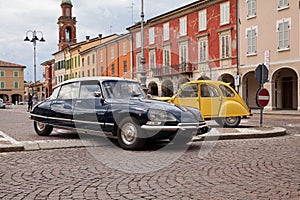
115	106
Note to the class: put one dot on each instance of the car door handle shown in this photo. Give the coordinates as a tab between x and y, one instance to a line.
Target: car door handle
78	101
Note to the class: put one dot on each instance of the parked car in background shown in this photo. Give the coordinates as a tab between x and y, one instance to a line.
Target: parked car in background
25	102
215	99
118	107
2	104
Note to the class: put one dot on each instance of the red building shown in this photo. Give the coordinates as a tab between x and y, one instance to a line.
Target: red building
48	75
196	41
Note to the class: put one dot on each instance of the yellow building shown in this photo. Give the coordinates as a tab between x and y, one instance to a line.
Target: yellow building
29	88
11	82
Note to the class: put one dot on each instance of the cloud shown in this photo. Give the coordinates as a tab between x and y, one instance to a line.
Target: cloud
93	17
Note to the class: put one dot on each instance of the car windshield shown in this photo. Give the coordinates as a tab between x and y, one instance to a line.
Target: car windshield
122	89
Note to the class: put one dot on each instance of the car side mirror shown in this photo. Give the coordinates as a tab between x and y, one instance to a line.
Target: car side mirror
97	94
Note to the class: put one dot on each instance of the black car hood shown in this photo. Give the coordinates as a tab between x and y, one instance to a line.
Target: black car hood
143	105
148	103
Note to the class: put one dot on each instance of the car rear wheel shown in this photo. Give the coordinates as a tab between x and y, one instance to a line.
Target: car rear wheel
128	135
229	121
42	129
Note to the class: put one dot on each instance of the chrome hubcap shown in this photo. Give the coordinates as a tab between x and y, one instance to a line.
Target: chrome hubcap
129	134
231	120
41	126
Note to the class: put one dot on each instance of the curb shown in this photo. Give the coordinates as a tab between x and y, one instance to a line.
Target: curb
246	134
8	144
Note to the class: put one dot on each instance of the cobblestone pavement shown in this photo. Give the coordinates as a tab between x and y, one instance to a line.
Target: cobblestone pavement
232	169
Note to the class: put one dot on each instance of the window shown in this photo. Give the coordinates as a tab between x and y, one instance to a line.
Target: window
88	89
88	73
183	54
16	74
138	40
227	92
101	56
93	71
183	26
78	59
283	29
283	3
68	91
55	92
125	66
203	51
2	84
225	46
101	70
251	35
251	8
166	56
225	13
166	31
113	70
151	35
189	91
152	59
112	52
68	12
2	73
124	49
209	91
16	84
202	20
93	59
88	60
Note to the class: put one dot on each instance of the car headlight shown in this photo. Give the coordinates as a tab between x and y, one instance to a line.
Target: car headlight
160	115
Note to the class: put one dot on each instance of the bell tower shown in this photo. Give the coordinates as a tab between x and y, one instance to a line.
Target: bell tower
66	25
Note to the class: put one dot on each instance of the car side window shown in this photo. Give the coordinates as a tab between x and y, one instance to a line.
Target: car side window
209	91
68	91
88	89
227	92
189	91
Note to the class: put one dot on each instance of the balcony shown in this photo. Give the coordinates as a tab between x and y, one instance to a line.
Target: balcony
184	68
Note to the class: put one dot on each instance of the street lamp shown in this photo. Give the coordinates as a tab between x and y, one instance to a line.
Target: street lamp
143	60
34	39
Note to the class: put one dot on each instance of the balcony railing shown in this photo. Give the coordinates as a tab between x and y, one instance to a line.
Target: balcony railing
184	68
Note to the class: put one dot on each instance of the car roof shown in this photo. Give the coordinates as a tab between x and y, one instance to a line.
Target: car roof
94	78
209	81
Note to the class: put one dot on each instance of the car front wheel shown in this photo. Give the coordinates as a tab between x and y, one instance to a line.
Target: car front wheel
128	135
229	121
42	129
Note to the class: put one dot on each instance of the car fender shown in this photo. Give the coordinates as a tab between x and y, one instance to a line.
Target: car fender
233	108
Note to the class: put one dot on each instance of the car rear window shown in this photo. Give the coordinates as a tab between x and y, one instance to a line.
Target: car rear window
227	92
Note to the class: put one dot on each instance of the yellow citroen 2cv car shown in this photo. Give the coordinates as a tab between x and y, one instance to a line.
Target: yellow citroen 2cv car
215	99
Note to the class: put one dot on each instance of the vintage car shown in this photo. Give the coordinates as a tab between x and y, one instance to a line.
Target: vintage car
2	104
118	107
215	99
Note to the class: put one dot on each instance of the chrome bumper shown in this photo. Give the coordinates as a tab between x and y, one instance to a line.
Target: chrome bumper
199	128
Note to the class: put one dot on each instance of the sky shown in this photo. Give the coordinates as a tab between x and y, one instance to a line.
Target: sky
93	17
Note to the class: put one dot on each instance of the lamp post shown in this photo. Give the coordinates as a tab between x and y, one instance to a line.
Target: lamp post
143	60
34	39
